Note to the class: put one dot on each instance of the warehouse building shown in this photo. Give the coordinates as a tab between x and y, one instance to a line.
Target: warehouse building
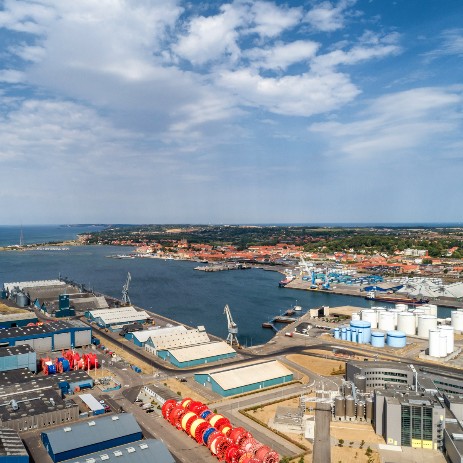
93	436
199	354
140	337
159	394
232	381
117	317
49	336
16	357
409	419
380	374
144	451
12	449
11	317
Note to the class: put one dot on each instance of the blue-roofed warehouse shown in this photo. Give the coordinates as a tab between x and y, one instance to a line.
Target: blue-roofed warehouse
145	451
79	439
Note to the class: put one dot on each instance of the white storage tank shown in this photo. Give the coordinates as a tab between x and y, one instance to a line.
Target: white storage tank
426	323
433	309
386	321
395	312
457	319
370	315
434	348
401	307
449	334
442	344
355	316
417	313
406	323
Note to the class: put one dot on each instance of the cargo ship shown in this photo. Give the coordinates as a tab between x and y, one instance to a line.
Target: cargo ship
372	296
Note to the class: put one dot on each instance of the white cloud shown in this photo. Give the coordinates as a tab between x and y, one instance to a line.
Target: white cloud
411	123
11	76
283	55
451	44
270	20
301	95
326	17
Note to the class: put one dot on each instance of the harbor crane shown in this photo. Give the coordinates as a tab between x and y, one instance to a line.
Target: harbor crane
232	328
125	290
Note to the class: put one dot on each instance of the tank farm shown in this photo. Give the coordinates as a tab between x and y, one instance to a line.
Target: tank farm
229	444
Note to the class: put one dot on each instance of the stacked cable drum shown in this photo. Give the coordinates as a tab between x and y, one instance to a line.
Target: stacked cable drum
229	444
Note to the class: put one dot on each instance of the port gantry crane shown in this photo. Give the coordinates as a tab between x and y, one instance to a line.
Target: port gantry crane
125	290
232	328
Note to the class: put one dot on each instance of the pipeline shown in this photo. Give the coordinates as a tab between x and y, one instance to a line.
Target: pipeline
228	444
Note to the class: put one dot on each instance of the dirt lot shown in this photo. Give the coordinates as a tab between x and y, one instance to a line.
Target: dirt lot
347	455
355	432
318	365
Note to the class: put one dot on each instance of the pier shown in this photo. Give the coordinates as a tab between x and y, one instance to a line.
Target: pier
223	267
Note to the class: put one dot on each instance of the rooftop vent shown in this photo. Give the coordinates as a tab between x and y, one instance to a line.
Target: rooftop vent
115	418
103	457
143	446
130	449
91	423
67	429
117	453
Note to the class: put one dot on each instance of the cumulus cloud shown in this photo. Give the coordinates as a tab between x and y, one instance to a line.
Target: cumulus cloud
327	17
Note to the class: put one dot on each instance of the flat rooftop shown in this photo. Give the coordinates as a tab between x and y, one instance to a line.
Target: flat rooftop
16	350
11	444
46	328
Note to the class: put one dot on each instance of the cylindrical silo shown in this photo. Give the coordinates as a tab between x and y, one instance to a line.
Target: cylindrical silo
370	315
339	408
363	327
343	333
417	313
337	334
360	383
386	321
433	308
347	388
348	334
22	300
448	331
350	407
457	320
401	307
434	338
406	323
355	316
377	339
426	323
442	344
360	410
353	335
369	409
396	339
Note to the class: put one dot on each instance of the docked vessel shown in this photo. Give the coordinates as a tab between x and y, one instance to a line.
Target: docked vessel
372	296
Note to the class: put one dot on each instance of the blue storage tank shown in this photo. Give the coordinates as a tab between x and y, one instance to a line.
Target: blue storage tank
377	339
343	333
337	334
364	327
348	334
396	339
354	336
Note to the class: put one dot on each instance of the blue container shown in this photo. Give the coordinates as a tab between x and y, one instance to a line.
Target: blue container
354	336
396	339
343	333
207	433
377	339
205	413
348	334
364	327
337	334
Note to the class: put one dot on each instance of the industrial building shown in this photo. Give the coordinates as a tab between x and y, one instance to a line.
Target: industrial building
12	316
12	449
49	336
14	358
143	451
380	374
231	381
140	338
186	348
87	437
409	419
117	317
159	394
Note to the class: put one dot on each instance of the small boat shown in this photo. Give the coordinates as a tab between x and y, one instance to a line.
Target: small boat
267	325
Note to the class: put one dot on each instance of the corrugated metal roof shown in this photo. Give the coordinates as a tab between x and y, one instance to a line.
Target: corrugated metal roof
91	402
201	351
119	314
92	432
145	451
11	444
144	335
256	373
180	339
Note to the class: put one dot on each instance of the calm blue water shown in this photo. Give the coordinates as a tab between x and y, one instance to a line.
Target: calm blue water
32	234
171	288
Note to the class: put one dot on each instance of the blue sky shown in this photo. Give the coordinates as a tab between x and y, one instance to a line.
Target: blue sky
165	111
